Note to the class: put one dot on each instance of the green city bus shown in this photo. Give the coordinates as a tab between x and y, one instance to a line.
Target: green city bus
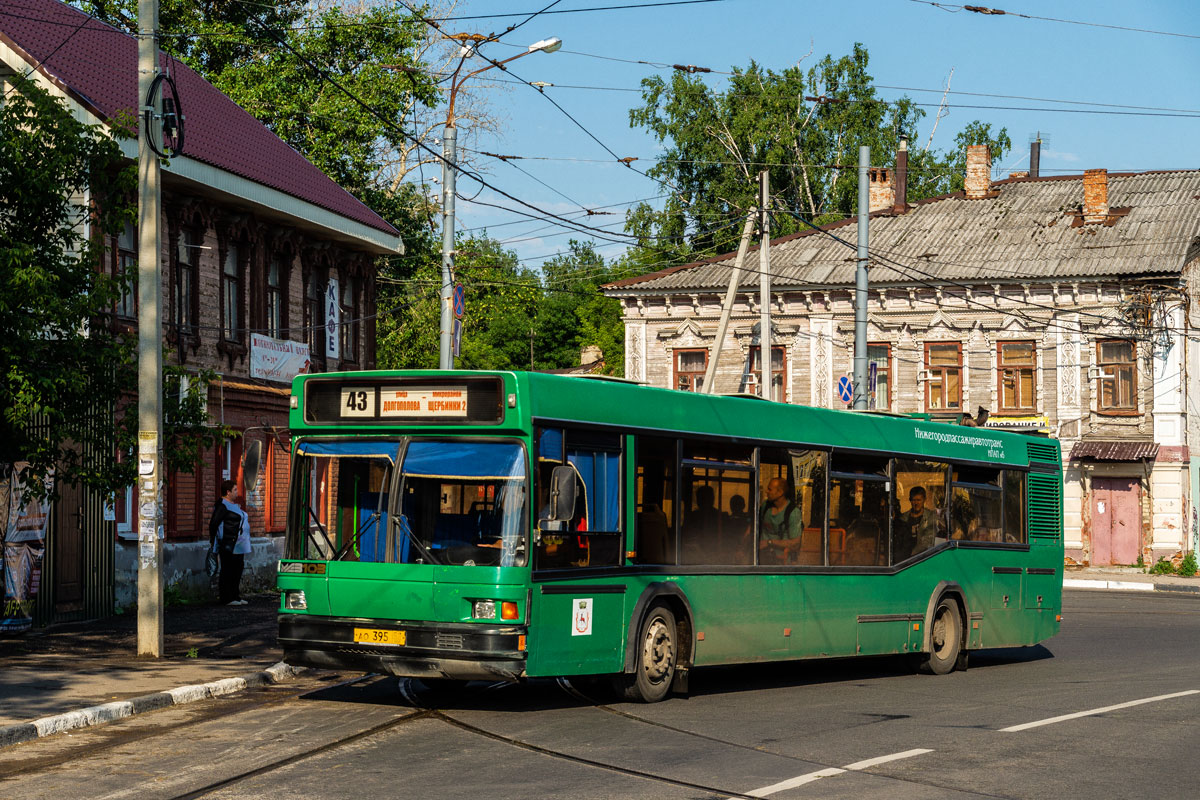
455	525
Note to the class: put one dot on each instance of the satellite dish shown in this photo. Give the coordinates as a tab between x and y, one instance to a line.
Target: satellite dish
251	463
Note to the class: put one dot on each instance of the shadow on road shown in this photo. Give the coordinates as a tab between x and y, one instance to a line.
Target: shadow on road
547	694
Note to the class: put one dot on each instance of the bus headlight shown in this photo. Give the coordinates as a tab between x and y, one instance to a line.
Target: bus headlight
293	599
483	609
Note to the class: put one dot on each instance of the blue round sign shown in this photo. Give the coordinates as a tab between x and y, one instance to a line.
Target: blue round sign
845	388
459	300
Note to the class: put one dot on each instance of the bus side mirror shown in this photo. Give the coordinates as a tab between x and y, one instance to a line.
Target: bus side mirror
562	494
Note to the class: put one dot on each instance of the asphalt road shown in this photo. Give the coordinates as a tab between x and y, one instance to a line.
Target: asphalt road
833	729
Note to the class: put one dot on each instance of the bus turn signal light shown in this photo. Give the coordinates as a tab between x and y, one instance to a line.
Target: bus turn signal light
508	610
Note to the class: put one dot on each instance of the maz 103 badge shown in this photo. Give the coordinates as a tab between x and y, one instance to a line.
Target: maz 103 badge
581	617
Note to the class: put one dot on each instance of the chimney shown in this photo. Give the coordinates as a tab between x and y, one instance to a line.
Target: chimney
1095	195
979	172
881	195
1035	156
1019	173
901	182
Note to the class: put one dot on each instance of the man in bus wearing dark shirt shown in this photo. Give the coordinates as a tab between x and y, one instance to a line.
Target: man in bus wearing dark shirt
921	523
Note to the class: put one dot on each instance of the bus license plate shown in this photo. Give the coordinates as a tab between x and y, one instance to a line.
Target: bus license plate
377	636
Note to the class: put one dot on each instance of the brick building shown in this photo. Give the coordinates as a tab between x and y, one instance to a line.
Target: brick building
266	264
1063	305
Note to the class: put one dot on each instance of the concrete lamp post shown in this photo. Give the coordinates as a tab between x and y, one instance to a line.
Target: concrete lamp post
449	172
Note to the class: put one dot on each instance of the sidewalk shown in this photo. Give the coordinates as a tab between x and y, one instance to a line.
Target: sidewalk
66	668
1128	579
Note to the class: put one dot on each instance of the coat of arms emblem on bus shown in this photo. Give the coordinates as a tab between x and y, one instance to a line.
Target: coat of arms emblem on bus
583	618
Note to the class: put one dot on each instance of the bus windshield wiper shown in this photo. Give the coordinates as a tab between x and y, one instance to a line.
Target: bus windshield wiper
321	544
345	549
406	530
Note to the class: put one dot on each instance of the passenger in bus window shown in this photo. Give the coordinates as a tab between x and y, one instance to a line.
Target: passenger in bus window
919	525
737	533
781	524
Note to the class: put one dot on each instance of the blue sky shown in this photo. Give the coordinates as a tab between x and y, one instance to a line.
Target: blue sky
912	44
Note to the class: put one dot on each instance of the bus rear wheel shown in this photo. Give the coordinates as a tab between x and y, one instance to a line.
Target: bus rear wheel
656	661
945	639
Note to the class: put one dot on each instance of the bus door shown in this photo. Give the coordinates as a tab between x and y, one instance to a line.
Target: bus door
579	596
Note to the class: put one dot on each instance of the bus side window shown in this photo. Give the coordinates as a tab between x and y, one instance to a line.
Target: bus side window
1014	505
918	508
654	529
715	492
791	526
858	504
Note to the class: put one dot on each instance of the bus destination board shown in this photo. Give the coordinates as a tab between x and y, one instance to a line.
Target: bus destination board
426	402
420	400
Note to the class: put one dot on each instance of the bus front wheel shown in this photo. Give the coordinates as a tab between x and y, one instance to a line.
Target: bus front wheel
656	661
945	639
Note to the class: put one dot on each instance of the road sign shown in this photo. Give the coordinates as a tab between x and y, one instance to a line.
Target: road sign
459	300
457	336
845	388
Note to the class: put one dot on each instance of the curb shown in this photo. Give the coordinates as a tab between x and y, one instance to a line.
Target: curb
1129	586
110	712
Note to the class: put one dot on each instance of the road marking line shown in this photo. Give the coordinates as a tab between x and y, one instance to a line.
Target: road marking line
829	772
872	762
1095	711
1078	583
792	783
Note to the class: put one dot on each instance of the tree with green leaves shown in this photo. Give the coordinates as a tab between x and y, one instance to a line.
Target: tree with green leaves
805	128
281	61
68	191
515	317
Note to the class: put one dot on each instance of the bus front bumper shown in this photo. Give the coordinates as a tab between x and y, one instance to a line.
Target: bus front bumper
443	650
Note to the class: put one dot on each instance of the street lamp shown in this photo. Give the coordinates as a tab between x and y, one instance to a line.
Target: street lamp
449	169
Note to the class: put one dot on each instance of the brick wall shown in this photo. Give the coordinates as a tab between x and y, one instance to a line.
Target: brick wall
255	409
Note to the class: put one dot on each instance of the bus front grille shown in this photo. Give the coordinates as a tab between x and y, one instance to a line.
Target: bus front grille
449	641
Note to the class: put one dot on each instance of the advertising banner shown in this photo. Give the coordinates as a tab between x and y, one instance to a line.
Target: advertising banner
277	359
24	531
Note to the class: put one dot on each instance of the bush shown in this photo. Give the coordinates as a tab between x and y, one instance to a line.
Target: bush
1187	567
1162	567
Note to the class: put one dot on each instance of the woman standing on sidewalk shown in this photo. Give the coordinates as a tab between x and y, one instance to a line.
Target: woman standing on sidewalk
229	534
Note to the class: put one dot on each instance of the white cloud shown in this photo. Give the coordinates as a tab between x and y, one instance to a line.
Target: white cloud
1070	158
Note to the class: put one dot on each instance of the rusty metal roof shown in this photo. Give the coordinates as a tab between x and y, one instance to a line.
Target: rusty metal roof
1110	450
1026	229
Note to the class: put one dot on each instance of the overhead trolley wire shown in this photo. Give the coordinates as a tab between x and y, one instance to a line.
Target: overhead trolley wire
954	9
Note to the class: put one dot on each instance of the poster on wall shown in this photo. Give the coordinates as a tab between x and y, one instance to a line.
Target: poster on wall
24	531
277	359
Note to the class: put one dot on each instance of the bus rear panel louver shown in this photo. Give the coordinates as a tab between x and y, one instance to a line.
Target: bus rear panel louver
1045	507
1042	451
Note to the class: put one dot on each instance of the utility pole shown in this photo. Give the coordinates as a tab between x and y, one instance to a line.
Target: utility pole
710	373
449	168
764	267
149	455
860	283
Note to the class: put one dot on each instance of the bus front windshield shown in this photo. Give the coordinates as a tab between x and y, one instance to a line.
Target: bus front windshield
459	503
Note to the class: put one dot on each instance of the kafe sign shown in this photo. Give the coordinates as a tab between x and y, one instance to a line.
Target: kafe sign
333	319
